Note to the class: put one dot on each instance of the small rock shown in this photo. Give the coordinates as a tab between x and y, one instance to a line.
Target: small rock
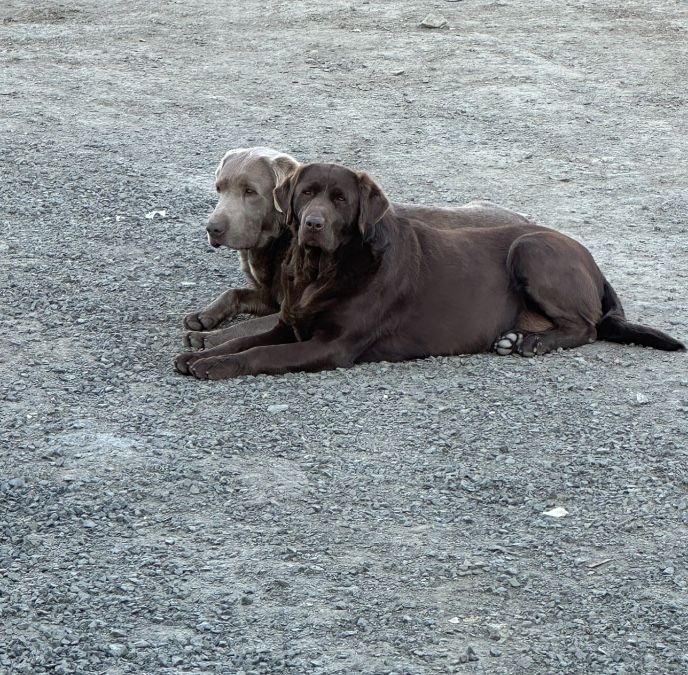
557	512
89	524
524	662
401	71
495	652
433	21
493	632
117	649
33	539
641	399
277	408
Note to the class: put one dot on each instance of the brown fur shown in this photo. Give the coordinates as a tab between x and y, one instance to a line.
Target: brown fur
362	284
252	225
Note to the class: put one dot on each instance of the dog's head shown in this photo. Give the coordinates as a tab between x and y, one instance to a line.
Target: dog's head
245	215
327	204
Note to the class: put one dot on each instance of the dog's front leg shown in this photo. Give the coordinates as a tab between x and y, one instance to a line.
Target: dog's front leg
228	305
197	339
279	334
312	355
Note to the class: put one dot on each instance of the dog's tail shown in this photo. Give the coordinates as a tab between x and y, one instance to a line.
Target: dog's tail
613	326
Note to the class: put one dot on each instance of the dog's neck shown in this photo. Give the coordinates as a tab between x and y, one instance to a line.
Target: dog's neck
313	279
271	249
262	264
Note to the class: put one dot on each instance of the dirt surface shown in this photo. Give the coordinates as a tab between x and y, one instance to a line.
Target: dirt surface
389	519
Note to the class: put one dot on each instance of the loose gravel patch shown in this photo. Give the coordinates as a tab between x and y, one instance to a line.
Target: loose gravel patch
382	519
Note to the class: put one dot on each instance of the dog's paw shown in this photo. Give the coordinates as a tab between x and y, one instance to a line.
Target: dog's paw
532	345
198	339
183	361
194	339
509	343
201	321
513	342
214	368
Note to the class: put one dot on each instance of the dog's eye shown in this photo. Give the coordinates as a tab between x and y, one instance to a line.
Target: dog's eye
340	198
308	193
248	191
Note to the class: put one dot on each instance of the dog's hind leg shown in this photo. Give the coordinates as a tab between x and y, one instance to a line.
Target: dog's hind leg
561	288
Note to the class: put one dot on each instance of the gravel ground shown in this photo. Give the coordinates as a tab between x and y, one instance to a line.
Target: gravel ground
382	519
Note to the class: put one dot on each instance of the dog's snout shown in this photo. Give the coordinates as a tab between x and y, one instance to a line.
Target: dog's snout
314	222
215	228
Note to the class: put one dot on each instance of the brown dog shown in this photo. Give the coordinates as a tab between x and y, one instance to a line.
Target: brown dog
363	284
246	219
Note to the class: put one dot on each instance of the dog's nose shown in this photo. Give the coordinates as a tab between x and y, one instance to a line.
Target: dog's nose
314	222
215	228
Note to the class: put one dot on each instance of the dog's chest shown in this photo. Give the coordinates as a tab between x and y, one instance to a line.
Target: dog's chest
254	270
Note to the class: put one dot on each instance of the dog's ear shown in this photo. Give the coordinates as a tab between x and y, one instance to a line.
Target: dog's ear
283	166
372	205
283	195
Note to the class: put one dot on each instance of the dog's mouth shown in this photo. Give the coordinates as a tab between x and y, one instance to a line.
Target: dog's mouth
236	243
310	239
215	243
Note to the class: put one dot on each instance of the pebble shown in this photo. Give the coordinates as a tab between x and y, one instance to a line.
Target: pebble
277	408
117	649
494	632
524	662
433	21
